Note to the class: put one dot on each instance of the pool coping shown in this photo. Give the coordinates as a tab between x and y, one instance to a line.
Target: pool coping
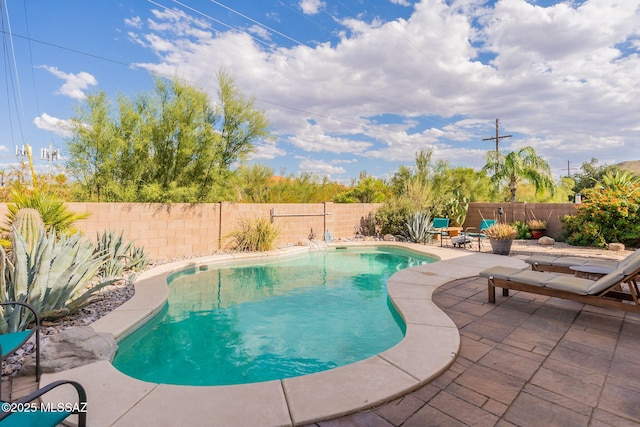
430	346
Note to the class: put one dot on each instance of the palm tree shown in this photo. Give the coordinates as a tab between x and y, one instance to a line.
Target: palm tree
622	180
516	166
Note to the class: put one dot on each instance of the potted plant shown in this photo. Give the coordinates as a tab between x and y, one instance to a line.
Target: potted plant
537	226
501	236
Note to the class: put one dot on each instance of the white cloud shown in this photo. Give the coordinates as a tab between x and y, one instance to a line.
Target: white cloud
320	168
135	22
401	2
53	124
267	151
75	84
554	75
311	7
259	31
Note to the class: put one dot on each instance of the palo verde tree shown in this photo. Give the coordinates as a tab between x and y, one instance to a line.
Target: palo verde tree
172	145
517	166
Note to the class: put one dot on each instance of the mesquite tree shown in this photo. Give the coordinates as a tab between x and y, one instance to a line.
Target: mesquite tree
173	145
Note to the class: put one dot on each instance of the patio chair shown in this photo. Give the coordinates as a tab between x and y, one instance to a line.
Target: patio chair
604	292
14	413
564	264
440	227
484	224
12	341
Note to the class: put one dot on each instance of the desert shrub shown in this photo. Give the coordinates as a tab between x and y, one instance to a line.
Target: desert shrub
522	230
253	235
392	216
607	215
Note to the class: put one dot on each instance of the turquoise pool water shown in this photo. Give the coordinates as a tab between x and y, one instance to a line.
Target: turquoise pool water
260	322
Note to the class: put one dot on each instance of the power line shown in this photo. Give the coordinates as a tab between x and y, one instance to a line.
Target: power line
259	23
497	138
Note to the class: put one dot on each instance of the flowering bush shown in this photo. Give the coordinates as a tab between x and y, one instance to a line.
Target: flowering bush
607	215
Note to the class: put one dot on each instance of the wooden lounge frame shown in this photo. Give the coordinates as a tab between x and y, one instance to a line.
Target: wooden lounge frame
612	296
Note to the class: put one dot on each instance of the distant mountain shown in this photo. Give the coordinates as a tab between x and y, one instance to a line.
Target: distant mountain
632	166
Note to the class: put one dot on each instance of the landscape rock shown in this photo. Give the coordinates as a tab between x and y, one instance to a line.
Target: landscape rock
75	346
389	238
546	240
616	247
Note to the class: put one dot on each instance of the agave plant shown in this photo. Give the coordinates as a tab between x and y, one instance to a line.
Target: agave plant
56	277
418	227
120	256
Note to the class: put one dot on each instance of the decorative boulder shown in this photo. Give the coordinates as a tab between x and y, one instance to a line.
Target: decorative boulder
75	346
546	240
616	246
389	238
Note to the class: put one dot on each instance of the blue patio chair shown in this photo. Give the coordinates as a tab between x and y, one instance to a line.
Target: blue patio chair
13	413
484	224
440	227
12	341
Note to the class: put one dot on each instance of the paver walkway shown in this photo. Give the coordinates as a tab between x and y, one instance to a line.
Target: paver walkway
526	361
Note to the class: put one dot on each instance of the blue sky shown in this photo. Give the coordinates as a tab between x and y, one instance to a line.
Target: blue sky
348	85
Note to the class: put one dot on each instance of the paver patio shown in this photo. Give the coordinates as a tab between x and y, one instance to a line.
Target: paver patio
525	361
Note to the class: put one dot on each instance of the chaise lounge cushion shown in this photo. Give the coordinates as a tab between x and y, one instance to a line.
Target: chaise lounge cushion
563	282
528	277
499	272
533	278
569	261
571	284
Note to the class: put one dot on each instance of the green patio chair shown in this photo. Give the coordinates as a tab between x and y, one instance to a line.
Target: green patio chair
440	227
484	224
12	341
43	414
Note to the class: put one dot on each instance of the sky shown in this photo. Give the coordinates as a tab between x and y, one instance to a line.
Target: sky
348	85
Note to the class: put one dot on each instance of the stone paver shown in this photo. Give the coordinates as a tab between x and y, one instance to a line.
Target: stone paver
525	361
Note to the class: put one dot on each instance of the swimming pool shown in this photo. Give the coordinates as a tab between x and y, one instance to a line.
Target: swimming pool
252	323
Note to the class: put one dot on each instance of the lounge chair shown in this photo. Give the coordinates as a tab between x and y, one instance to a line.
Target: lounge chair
563	264
12	341
604	292
484	224
43	414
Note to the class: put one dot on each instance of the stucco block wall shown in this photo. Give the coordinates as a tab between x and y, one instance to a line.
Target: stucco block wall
182	229
164	230
521	211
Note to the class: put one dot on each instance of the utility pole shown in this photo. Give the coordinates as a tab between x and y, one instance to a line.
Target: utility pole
497	137
569	168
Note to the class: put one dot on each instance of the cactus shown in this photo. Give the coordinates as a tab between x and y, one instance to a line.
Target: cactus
28	223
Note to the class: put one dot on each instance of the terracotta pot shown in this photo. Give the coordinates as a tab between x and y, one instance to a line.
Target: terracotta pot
536	234
501	247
